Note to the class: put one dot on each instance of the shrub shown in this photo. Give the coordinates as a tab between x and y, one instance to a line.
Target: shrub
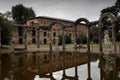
82	38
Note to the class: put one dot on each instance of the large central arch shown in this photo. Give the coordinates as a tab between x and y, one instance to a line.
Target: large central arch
50	34
113	19
87	24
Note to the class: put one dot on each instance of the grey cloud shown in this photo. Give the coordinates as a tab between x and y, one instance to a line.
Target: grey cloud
68	9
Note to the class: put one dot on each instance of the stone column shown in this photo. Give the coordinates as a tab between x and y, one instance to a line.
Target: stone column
0	66
25	42
12	45
38	37
100	38
89	68
51	67
56	43
75	39
0	36
114	37
101	66
63	40
50	37
76	68
88	39
114	68
64	74
11	75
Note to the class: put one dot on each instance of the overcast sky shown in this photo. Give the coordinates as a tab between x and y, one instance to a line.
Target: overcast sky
65	9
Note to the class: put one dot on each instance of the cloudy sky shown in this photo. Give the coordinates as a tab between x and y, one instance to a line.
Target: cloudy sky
65	9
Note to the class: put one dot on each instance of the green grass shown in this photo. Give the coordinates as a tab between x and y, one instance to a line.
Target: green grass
46	46
94	45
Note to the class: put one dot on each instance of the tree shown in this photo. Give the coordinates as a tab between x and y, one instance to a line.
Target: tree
82	38
67	39
118	36
7	15
1	14
6	30
117	4
112	9
115	9
20	13
94	35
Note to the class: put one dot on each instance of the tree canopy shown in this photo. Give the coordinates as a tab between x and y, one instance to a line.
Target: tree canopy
82	38
6	30
115	9
112	9
67	39
20	13
117	4
94	35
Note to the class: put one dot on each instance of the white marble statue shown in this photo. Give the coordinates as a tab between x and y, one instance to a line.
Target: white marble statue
107	42
56	43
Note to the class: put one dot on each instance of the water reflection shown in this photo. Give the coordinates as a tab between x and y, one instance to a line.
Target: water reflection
59	66
110	67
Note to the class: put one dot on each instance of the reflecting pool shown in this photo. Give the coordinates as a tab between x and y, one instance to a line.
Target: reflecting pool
59	66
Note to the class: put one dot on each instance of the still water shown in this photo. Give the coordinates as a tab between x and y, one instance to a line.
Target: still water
82	72
59	66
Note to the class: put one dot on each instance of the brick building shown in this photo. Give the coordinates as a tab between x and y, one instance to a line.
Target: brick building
43	22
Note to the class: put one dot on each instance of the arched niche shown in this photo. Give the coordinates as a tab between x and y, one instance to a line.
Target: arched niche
112	19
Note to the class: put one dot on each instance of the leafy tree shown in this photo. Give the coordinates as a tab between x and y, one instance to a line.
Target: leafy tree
118	36
1	14
6	30
115	9
8	15
96	39
20	13
112	9
117	4
67	39
82	38
118	25
94	35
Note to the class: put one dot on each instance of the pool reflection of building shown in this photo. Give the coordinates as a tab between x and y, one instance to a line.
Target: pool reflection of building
41	63
26	66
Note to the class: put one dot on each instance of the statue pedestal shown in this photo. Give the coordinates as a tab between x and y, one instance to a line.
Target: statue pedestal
56	44
57	49
107	51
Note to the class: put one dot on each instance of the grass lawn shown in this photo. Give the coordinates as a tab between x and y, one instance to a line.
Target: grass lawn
46	46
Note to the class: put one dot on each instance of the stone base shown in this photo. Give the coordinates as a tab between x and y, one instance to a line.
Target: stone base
107	51
56	49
